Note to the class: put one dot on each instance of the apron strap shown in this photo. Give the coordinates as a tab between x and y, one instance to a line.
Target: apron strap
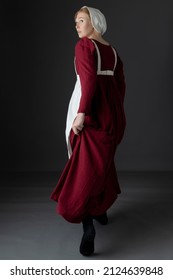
104	72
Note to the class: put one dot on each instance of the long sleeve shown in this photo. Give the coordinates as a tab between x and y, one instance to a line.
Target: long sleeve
86	69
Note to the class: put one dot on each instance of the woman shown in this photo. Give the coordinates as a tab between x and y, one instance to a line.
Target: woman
95	126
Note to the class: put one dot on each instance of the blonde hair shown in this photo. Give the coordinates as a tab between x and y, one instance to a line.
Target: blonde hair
85	10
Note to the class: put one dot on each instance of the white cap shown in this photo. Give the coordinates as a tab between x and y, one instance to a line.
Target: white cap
97	19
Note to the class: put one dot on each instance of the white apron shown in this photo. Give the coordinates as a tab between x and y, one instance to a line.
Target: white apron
76	95
72	112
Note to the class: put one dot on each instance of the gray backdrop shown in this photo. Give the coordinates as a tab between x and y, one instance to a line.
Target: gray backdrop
37	79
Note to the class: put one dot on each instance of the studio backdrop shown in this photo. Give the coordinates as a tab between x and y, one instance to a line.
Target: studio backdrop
37	80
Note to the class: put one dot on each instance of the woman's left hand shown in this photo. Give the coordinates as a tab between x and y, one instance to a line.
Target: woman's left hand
78	123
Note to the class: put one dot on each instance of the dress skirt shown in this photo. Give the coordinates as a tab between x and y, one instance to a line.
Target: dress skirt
88	184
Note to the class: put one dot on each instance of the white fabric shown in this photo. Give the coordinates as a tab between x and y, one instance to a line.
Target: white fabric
98	20
72	112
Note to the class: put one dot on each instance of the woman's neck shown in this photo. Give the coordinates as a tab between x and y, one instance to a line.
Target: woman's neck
98	37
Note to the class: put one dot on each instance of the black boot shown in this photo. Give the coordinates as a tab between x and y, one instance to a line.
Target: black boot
102	219
87	242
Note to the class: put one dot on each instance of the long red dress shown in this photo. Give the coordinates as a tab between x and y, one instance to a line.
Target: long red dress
88	184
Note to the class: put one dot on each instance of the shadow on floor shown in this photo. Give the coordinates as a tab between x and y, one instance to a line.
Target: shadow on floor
140	221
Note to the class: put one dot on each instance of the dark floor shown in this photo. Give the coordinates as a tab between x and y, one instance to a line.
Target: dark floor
140	221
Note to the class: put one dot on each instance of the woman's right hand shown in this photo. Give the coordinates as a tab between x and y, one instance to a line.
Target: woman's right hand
78	123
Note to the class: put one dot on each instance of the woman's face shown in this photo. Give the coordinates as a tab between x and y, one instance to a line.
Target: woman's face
83	25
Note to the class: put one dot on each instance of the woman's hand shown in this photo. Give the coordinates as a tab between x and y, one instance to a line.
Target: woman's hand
78	123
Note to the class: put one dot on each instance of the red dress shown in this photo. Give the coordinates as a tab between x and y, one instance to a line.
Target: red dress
88	184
